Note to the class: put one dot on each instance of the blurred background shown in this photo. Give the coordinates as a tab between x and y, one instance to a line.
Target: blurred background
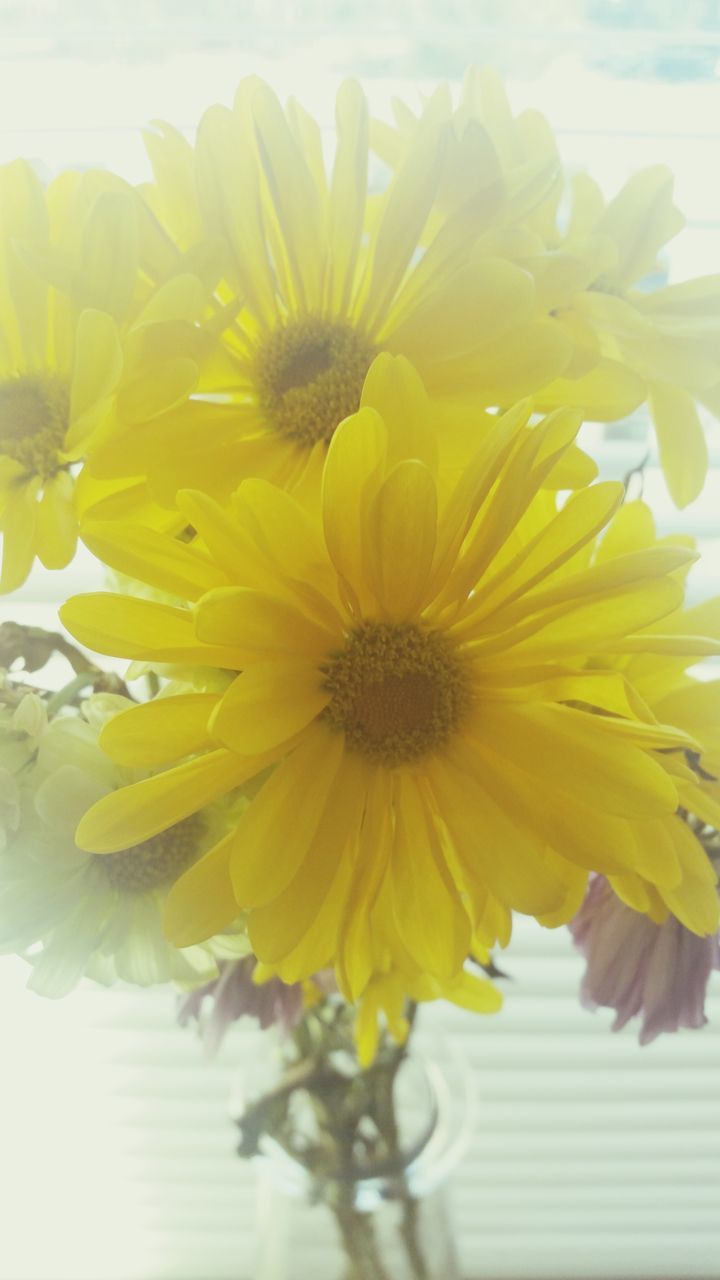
591	1157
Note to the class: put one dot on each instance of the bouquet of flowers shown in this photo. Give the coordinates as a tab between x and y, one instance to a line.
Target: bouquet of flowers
401	666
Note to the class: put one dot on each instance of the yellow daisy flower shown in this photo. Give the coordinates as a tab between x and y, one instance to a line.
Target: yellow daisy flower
84	333
410	666
673	695
657	679
494	155
629	343
669	337
318	279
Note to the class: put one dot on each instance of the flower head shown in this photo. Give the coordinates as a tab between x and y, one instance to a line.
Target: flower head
72	913
430	751
637	967
319	277
671	692
595	272
78	327
233	995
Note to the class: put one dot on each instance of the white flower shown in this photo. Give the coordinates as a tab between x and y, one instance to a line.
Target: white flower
74	913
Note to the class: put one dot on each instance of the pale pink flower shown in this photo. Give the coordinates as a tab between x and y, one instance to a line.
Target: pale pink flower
234	995
637	967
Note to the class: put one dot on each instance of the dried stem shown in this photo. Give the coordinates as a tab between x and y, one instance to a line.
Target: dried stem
33	647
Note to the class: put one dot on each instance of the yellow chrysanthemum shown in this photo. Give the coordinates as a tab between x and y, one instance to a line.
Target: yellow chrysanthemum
84	333
411	667
629	343
318	279
673	695
669	337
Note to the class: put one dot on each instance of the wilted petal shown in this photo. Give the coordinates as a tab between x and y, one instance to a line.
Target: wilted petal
659	972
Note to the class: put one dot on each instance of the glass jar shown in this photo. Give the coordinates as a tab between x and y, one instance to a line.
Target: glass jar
365	1220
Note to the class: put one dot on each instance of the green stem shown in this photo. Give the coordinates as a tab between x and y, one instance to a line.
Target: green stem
70	691
153	683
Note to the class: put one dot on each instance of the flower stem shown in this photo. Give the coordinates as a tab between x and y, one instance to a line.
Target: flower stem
411	1238
361	1246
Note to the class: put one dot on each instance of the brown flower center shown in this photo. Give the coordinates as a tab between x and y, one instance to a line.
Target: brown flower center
309	375
157	861
34	411
397	691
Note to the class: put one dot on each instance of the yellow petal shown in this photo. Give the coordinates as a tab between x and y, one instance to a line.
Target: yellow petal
229	545
695	900
308	137
507	369
227	186
632	529
269	704
23	218
318	945
478	827
358	941
151	557
470	991
96	372
394	388
157	390
353	472
181	298
171	158
471	490
583	516
129	627
595	624
56	535
294	195
704	805
478	304
401	536
259	626
286	923
429	915
110	253
564	747
640	219
154	733
681	441
536	454
135	813
656	858
287	535
405	210
608	391
574	470
19	525
201	903
568	824
348	193
277	829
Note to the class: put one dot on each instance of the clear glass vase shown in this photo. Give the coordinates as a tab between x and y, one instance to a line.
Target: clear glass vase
355	1219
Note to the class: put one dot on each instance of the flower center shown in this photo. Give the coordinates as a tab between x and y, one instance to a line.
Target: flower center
310	374
397	691
34	410
157	861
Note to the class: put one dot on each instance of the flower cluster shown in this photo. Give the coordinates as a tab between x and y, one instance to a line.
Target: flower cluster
412	669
